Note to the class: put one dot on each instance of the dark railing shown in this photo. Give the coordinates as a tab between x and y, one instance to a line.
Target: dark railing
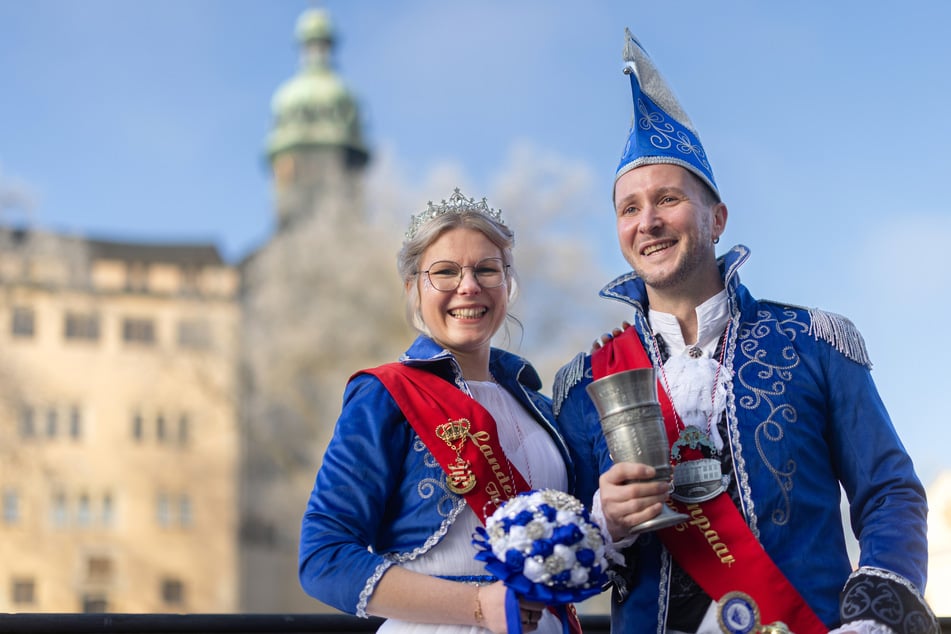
230	623
211	623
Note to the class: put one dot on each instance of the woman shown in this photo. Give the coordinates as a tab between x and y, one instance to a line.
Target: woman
424	449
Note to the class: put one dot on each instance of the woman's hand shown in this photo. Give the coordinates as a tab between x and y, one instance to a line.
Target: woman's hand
601	341
492	600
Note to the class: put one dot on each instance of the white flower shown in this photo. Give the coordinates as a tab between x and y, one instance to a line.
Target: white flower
535	570
517	538
579	576
565	517
567	556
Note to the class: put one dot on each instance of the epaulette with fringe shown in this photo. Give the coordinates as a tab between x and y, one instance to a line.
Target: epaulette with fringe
836	330
565	379
840	333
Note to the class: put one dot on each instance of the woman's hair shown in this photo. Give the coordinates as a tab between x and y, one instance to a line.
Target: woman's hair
425	234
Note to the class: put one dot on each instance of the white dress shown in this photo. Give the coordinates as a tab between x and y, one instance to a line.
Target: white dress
530	450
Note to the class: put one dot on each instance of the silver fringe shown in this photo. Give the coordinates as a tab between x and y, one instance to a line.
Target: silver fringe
565	379
841	333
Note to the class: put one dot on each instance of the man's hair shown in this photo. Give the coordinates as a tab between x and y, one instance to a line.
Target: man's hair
707	195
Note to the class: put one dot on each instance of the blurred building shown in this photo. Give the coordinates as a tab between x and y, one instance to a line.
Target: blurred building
163	413
938	592
118	442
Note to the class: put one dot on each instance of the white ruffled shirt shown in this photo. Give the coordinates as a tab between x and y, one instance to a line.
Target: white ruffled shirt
690	381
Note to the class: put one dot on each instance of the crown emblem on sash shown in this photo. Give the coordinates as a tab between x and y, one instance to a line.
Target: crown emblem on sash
454	433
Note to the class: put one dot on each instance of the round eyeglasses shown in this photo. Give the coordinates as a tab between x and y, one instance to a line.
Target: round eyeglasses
446	275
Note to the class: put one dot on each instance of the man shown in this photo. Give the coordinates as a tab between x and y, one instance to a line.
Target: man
770	410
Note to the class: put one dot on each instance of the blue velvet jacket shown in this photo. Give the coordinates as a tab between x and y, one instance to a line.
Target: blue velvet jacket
380	498
803	418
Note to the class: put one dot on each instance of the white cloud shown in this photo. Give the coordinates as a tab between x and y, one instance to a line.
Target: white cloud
909	252
898	278
18	199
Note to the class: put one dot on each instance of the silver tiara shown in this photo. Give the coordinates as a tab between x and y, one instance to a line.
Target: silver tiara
457	203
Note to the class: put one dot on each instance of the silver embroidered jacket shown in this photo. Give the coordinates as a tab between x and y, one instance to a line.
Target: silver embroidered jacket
804	422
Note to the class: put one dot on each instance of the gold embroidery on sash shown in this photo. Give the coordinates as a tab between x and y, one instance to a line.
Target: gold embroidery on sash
503	480
702	523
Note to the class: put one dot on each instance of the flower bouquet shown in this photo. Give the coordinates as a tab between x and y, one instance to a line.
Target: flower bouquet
544	546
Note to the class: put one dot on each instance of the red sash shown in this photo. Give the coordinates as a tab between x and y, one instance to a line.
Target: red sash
715	547
429	401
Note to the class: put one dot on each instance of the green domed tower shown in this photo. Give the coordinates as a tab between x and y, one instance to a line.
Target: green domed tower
316	147
311	312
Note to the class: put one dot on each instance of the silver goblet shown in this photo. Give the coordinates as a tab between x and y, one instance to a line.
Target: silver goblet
633	427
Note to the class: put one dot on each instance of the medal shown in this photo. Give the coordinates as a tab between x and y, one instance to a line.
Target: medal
738	613
697	481
700	480
454	433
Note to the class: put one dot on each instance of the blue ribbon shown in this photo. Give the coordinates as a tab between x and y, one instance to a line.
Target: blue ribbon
513	617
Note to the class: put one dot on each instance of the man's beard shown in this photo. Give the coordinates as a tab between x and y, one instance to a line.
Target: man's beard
686	265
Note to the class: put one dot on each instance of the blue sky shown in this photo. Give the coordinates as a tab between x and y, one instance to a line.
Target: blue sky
826	124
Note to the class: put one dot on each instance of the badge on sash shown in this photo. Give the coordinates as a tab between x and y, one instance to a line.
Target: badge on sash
455	433
737	613
698	480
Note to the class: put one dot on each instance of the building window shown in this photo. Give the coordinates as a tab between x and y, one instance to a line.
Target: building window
190	280
11	507
23	323
95	603
27	424
137	426
185	511
51	423
108	510
138	330
194	334
81	326
24	591
163	511
184	430
83	512
173	592
98	569
59	511
137	277
160	427
75	423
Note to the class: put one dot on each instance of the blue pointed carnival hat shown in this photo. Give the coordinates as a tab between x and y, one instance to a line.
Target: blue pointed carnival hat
661	132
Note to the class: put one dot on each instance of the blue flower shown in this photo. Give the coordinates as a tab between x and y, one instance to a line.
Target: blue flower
567	535
563	578
548	511
515	560
585	557
542	548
